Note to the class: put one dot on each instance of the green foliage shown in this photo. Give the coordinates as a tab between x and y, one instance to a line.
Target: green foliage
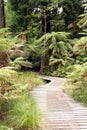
17	107
9	15
2	127
30	15
21	11
76	84
13	83
64	69
8	46
5	44
56	50
83	18
80	50
71	10
26	81
75	75
70	53
24	113
83	32
20	62
4	32
80	47
6	81
60	72
54	42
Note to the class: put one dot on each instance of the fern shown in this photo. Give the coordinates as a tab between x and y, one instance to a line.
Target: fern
53	41
83	32
4	33
76	85
5	44
75	75
55	47
19	62
83	21
53	61
6	80
79	48
78	73
83	18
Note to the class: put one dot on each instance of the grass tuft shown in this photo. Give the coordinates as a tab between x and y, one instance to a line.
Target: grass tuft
28	80
18	110
23	113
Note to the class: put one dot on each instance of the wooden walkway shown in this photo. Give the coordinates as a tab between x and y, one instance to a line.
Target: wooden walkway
60	112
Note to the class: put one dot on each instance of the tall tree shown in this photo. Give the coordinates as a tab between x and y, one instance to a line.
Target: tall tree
28	12
45	17
23	13
21	17
71	10
2	14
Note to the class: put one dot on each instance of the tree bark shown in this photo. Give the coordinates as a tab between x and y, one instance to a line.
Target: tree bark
45	17
2	14
5	58
42	65
46	22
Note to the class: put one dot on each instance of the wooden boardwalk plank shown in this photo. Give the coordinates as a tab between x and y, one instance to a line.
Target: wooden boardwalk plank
60	112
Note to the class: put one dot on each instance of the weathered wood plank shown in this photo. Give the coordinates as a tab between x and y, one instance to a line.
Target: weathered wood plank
60	112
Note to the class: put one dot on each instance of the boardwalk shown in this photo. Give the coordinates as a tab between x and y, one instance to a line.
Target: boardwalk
60	112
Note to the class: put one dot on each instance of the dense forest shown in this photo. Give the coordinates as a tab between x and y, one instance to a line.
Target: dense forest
45	36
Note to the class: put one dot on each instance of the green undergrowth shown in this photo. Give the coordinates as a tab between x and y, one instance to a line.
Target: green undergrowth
21	113
76	83
27	80
18	110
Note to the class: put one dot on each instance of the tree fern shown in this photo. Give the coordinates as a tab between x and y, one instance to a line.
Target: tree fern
21	62
53	61
54	47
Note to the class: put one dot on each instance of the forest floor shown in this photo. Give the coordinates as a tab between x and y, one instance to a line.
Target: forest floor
60	112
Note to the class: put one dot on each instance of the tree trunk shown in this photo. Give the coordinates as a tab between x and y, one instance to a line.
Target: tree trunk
46	22
45	17
42	65
45	27
5	58
2	14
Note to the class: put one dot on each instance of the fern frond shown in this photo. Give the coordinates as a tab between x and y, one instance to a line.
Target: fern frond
5	44
4	32
20	61
53	61
79	48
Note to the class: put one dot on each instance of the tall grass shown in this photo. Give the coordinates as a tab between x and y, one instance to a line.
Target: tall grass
23	114
20	111
28	80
